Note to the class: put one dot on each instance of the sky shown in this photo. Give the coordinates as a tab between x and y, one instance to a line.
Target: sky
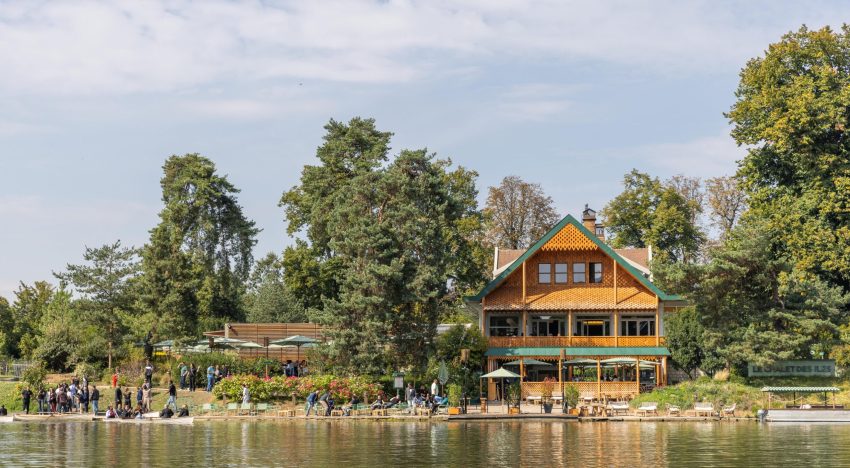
94	96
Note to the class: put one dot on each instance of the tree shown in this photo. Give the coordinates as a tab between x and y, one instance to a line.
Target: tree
31	303
268	299
650	213
518	213
690	188
792	111
684	334
7	326
105	288
726	201
199	255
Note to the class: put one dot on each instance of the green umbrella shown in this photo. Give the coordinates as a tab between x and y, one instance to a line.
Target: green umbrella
295	340
580	362
501	373
529	362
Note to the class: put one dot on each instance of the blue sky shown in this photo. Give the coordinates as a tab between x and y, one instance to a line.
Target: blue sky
95	95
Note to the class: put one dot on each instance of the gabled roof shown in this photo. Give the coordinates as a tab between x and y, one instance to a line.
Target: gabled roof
569	220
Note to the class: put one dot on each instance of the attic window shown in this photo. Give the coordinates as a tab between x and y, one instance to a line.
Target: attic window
578	273
595	272
544	273
561	273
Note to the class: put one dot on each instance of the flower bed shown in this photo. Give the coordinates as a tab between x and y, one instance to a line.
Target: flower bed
282	388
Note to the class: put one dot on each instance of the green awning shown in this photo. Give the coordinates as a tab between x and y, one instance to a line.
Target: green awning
574	352
800	389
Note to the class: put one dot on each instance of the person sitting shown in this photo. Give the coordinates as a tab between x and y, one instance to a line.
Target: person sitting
393	402
330	406
184	412
128	413
166	412
346	410
138	413
110	413
379	403
3	410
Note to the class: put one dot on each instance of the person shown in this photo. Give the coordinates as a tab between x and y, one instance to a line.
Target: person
110	413
172	395
184	412
323	400
184	372
410	395
311	402
192	372
51	400
246	394
26	394
288	368
61	399
3	410
210	377
394	401
216	374
166	413
138	413
139	396
352	402
72	396
127	397
115	378
331	405
146	397
95	399
42	401
148	372
434	387
83	396
118	397
379	403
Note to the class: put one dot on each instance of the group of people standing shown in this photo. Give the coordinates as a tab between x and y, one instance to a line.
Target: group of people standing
63	398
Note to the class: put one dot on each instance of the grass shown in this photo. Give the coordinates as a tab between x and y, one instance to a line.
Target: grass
10	396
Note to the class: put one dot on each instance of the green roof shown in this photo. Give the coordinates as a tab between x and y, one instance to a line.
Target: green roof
800	389
602	245
590	351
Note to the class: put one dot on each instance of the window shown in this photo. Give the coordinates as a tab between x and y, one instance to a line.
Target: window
578	273
593	325
504	325
544	273
637	326
547	325
561	273
600	232
595	272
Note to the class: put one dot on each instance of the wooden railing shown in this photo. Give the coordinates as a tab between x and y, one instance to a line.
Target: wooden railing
605	390
575	341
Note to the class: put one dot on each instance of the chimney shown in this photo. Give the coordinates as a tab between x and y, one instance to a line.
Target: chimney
588	218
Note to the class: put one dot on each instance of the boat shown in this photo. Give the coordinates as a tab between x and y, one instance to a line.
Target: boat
6	419
64	417
800	412
157	420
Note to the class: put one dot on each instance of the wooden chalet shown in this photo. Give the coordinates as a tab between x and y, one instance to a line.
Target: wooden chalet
573	309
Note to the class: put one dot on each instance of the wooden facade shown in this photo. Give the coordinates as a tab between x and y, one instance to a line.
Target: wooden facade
262	333
552	304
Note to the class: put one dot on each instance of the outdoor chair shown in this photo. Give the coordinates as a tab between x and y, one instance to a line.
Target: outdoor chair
232	408
647	407
617	407
207	408
673	410
261	408
729	410
704	408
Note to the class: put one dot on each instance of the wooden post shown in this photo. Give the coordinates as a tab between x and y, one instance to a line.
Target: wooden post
524	305
637	375
561	375
521	377
657	322
616	328
570	327
598	379
616	298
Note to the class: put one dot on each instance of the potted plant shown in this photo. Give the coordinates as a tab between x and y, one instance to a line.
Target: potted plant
514	397
546	395
454	393
571	399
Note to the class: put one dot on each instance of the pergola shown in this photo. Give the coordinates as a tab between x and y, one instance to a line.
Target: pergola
769	391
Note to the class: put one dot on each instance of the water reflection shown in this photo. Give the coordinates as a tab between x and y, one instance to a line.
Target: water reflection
346	444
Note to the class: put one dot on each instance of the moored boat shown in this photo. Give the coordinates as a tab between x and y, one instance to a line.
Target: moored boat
151	420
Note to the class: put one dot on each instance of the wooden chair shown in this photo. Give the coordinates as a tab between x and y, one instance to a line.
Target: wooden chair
673	410
336	412
729	411
246	409
232	407
261	408
704	408
286	413
617	407
646	408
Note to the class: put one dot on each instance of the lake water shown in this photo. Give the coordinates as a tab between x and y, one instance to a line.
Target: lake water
367	443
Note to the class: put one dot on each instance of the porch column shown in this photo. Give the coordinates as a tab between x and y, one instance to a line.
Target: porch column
561	374
637	375
657	322
664	370
616	328
598	379
524	307
570	327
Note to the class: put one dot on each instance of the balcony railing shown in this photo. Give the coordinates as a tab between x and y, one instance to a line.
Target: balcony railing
575	341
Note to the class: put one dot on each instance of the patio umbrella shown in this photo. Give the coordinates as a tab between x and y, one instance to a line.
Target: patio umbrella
501	373
164	344
529	362
295	340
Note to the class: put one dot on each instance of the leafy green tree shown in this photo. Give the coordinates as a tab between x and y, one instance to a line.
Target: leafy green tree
7	326
685	338
31	303
651	213
199	255
792	112
518	213
268	299
105	286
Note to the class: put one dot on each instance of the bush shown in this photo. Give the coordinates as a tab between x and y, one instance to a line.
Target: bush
455	391
571	396
34	376
281	388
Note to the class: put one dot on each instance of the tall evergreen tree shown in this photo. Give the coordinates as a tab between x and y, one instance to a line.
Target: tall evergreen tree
200	254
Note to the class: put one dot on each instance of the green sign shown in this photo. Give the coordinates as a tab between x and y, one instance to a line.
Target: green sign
811	368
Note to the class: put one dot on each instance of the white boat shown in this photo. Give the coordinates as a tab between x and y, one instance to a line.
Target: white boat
64	417
6	419
151	420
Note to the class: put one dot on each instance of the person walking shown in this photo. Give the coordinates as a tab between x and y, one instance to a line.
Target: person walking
210	377
26	394
246	395
95	399
311	403
128	395
148	372
172	395
435	387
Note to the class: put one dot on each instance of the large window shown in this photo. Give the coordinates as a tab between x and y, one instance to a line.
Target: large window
593	326
547	325
561	273
504	325
578	273
637	326
544	273
595	272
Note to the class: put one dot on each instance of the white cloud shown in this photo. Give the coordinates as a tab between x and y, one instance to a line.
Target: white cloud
94	47
704	156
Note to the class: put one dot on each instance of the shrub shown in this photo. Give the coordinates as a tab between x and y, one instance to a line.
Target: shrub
455	391
281	388
34	376
571	396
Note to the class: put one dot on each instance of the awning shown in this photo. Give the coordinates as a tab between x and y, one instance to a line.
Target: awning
500	373
528	362
800	389
584	352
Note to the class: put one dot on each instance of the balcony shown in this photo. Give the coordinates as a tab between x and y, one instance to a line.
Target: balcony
574	341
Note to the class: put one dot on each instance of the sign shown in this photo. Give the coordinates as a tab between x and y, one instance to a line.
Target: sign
810	368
